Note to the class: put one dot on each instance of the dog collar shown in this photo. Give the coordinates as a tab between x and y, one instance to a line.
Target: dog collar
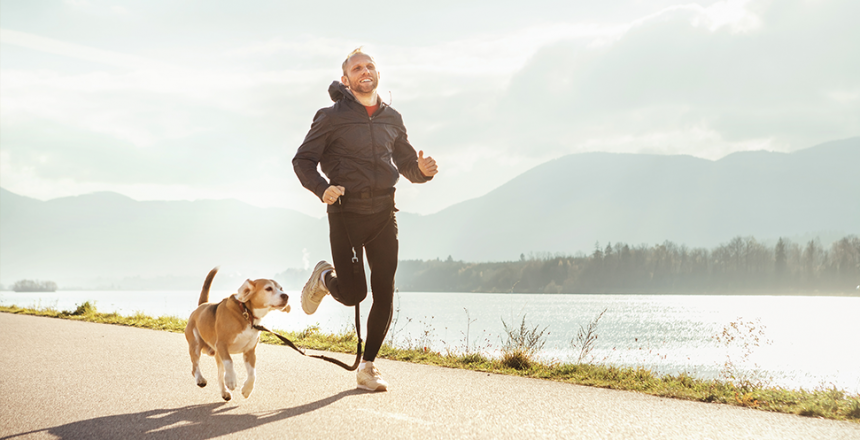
246	312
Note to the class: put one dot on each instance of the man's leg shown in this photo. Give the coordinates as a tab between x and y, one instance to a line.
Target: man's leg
346	280
382	259
349	286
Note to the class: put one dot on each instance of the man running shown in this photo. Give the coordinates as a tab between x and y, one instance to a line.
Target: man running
361	145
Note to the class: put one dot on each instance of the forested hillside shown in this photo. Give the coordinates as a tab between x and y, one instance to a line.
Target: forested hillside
561	207
565	205
741	266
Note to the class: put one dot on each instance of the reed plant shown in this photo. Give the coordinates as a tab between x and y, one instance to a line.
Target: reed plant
741	339
586	339
522	345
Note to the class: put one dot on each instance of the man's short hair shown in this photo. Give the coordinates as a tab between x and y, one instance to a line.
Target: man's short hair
355	51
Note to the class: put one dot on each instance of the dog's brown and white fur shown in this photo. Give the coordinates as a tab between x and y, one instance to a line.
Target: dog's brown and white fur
219	329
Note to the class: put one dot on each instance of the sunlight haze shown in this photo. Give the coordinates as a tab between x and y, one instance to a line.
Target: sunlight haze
163	100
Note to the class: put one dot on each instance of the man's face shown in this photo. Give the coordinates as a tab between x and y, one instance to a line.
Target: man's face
361	75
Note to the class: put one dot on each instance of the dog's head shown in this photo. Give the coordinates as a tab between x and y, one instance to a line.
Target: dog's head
263	295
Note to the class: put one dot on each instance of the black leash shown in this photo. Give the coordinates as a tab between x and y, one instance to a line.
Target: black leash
356	268
358	351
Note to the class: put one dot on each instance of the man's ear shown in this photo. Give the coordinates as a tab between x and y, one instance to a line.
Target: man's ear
245	291
345	81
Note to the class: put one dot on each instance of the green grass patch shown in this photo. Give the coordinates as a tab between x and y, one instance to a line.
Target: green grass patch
87	312
830	403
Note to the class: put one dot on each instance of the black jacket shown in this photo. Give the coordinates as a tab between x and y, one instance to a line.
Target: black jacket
363	154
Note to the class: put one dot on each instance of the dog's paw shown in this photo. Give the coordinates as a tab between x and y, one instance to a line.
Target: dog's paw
247	390
198	376
230	382
226	396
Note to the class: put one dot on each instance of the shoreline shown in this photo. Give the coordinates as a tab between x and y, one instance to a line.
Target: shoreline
830	403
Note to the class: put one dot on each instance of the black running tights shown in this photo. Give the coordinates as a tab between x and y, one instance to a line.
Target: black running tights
378	234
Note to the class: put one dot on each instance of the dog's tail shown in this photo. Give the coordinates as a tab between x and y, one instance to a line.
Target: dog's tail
204	294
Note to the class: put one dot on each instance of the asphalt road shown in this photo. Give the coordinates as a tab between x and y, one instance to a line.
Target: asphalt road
76	380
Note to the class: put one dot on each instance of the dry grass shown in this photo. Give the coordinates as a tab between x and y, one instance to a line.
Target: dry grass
828	403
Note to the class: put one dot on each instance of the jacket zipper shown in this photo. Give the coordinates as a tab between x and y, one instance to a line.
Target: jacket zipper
373	158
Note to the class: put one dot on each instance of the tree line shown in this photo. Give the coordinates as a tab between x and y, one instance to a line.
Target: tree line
34	286
742	266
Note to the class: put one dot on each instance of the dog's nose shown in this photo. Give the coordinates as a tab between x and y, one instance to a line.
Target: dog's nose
285	297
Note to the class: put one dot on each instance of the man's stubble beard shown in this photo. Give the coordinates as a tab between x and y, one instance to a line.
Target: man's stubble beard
360	88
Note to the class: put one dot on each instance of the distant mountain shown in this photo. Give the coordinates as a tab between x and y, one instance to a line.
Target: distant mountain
568	204
105	238
562	206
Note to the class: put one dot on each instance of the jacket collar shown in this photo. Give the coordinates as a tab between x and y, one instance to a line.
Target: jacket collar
339	92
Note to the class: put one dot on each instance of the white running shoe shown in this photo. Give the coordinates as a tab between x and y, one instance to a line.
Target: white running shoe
315	290
370	379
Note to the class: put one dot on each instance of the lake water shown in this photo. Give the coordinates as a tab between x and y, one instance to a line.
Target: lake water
807	342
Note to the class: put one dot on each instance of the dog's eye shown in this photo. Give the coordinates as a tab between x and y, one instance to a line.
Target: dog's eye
269	288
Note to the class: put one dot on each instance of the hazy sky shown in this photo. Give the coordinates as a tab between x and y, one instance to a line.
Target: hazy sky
186	99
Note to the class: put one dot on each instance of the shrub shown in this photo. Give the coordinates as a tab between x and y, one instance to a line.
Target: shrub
522	345
853	411
517	359
85	309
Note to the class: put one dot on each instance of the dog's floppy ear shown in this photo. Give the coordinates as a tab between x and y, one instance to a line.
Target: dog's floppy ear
245	291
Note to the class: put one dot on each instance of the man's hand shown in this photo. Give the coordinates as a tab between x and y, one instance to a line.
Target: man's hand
427	165
332	193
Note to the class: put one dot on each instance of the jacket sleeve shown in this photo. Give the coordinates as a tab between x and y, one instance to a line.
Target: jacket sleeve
309	154
406	160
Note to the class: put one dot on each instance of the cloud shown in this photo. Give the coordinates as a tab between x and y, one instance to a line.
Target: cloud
764	86
50	45
162	106
728	13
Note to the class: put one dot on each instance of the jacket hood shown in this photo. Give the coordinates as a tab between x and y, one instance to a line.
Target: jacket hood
338	91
